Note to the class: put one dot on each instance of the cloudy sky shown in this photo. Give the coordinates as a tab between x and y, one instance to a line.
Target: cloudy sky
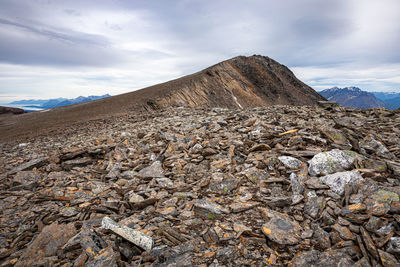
52	48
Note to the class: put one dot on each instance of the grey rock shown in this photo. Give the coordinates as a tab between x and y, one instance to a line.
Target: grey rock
88	239
224	187
155	170
297	183
24	177
290	162
180	255
332	161
369	146
209	210
165	182
69	164
280	228
35	163
321	238
315	258
388	259
136	237
337	181
394	245
315	183
226	253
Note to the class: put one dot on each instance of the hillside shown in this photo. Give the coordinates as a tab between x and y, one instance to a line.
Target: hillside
240	82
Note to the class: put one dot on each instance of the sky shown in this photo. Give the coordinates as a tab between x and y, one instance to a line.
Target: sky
61	48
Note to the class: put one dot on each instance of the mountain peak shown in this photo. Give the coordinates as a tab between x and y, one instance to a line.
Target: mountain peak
240	82
350	88
353	97
353	88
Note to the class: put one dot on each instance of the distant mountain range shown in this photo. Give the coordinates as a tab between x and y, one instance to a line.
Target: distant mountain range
357	98
56	102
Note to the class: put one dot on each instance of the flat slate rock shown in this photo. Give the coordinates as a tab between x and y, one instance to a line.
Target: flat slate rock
35	163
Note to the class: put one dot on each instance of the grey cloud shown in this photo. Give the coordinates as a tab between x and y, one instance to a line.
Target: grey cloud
72	12
61	35
192	34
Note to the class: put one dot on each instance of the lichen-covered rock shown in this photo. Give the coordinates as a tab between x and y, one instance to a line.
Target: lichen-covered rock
290	162
369	146
337	181
209	210
379	202
281	229
332	161
105	258
336	137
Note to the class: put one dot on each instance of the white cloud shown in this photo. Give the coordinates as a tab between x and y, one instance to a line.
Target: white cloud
59	48
384	77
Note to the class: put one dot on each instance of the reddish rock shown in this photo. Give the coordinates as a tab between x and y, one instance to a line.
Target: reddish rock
47	243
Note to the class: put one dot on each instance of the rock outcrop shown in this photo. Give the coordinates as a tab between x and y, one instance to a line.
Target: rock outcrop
12	111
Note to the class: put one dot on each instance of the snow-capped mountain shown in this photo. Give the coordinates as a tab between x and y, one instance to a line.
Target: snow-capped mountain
354	97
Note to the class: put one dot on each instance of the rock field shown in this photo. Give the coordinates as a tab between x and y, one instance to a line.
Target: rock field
278	186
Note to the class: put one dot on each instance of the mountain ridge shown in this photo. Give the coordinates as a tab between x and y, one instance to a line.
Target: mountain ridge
56	102
354	97
241	82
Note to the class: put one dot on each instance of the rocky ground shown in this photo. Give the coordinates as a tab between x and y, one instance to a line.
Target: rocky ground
280	186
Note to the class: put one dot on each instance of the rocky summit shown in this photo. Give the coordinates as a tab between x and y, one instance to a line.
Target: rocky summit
277	186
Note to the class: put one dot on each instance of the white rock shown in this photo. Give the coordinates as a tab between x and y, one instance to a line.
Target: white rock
155	170
23	145
338	180
290	162
332	161
125	134
165	182
134	236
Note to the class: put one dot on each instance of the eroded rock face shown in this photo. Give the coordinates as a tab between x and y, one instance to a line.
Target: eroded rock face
206	187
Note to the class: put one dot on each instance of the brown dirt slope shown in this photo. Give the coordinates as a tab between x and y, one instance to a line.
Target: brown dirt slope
240	82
